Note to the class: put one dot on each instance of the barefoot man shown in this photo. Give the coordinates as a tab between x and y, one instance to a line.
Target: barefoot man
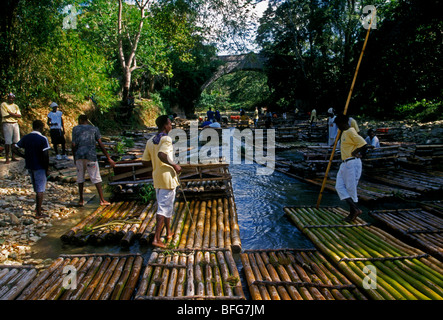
84	139
352	148
159	154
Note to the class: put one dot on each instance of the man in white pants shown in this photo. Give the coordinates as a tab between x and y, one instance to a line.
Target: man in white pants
352	147
159	154
11	132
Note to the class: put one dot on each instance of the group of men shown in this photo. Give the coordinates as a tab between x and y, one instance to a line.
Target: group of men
36	149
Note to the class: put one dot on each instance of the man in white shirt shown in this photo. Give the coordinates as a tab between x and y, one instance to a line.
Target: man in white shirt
57	130
372	139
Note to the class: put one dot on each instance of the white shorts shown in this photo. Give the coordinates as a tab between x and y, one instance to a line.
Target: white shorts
347	179
11	132
92	168
165	202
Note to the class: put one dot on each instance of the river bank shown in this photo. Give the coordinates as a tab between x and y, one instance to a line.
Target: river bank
19	230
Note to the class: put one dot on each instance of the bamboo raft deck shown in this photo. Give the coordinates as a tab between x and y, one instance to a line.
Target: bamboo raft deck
291	274
360	250
421	227
207	224
190	275
422	182
98	277
14	279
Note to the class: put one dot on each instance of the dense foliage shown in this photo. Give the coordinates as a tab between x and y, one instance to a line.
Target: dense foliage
164	50
313	48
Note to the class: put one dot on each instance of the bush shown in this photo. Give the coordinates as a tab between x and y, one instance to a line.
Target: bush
423	110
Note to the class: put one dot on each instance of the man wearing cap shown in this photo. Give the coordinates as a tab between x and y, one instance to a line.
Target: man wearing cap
11	131
57	130
332	127
352	147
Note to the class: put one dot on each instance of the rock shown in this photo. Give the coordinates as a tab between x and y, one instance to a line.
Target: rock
14	219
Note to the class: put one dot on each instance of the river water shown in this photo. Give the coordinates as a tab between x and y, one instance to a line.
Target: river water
260	202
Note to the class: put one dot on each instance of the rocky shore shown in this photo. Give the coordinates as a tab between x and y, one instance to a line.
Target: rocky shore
19	230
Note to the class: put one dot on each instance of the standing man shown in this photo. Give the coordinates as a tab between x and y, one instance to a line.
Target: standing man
159	154
84	139
332	127
11	131
57	130
210	114
256	117
313	119
36	156
352	148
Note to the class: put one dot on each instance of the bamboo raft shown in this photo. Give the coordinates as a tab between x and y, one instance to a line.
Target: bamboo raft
421	227
367	191
291	274
96	277
69	175
14	279
122	222
436	207
207	224
375	261
190	275
422	182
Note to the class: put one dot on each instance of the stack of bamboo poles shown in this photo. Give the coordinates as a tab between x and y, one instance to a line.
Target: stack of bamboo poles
370	192
402	272
123	222
14	279
97	277
201	186
191	275
423	182
69	175
209	224
436	207
289	274
420	226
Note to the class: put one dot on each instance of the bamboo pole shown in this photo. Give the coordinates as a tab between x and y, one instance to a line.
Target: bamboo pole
107	290
19	286
80	275
132	281
35	295
344	112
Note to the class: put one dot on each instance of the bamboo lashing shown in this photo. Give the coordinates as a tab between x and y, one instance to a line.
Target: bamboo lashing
14	279
345	111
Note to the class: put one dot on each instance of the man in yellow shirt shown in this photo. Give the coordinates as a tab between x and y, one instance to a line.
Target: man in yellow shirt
159	154
11	132
352	147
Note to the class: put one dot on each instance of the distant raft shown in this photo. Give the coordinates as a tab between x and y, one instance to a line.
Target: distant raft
182	274
96	277
295	274
385	267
